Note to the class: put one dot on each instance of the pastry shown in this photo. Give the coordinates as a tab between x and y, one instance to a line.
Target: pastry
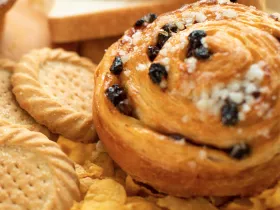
188	102
10	111
35	173
53	86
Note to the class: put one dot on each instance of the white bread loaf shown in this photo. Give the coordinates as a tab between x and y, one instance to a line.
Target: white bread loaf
72	20
272	6
76	20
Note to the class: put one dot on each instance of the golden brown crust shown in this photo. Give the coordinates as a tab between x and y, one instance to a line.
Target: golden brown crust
10	112
36	174
52	86
239	38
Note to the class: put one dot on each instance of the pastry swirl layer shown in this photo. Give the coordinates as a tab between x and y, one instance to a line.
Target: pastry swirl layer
188	102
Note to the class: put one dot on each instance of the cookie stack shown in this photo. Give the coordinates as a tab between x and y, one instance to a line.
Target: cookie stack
44	95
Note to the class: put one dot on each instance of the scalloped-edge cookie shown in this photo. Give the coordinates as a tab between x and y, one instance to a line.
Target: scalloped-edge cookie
35	173
55	88
10	111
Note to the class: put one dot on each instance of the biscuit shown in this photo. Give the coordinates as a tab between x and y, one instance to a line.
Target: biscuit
54	87
10	111
35	173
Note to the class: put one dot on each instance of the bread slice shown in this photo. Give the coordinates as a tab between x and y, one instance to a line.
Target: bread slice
72	20
272	6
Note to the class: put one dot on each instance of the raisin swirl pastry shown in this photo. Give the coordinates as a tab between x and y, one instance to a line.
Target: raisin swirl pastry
188	102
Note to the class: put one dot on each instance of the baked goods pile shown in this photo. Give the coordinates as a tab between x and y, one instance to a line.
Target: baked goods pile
181	113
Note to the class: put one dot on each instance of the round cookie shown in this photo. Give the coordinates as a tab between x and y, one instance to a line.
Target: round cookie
54	87
35	173
10	111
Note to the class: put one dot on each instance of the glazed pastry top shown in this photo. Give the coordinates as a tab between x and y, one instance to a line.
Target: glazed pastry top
204	79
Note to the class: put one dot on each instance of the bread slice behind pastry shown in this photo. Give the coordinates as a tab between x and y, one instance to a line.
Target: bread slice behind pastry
72	20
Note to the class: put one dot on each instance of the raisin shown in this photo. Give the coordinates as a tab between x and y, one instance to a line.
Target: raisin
139	23
157	72
201	53
163	36
195	38
176	137
149	18
276	18
230	114
153	52
170	27
117	66
196	48
124	108
239	151
115	94
233	1
256	94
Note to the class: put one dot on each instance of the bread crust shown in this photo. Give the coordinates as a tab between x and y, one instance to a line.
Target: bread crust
105	23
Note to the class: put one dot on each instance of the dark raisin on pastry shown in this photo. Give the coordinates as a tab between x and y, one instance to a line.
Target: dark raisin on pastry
239	151
157	72
256	94
149	18
124	107
195	38
117	66
229	114
163	36
170	27
177	137
118	97
115	94
153	52
139	23
196	47
275	17
201	53
233	1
